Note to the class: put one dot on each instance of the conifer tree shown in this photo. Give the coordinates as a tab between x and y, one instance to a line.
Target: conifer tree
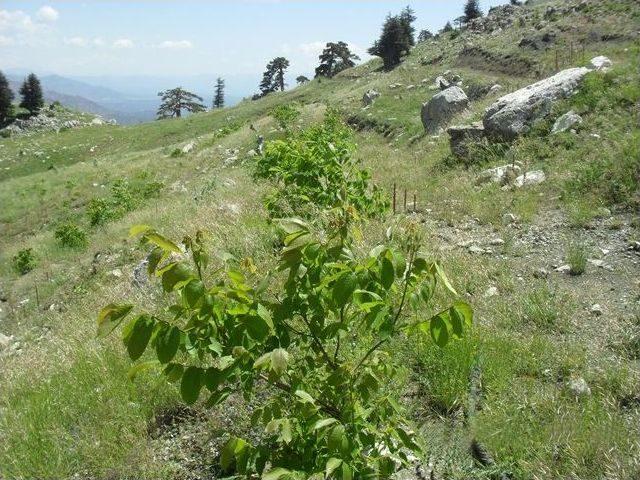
335	58
396	38
32	98
6	100
447	28
273	77
424	35
176	100
472	10
302	80
218	99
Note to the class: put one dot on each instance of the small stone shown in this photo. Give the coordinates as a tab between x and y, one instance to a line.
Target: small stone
563	269
596	310
252	153
188	147
116	273
5	341
597	262
634	246
496	242
541	273
491	292
509	218
476	250
579	387
530	178
601	63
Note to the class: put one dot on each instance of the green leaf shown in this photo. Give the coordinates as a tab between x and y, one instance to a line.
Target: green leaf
293	225
193	292
325	422
138	229
173	372
439	330
175	274
286	435
276	474
233	449
264	314
137	335
337	441
305	397
407	439
257	327
191	385
141	367
279	361
154	259
347	472
343	288
110	317
386	273
162	242
332	464
442	276
264	361
167	342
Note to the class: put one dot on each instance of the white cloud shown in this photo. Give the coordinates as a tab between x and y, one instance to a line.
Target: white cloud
176	44
6	41
123	43
47	14
76	41
99	42
312	48
16	21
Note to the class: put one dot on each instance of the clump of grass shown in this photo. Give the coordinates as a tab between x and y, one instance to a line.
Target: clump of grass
70	235
125	197
541	307
24	261
577	258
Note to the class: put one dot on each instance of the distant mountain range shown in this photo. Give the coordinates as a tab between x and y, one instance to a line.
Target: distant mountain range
129	100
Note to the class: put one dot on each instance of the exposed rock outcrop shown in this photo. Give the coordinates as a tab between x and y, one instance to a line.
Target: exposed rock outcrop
443	107
462	135
566	121
369	97
513	114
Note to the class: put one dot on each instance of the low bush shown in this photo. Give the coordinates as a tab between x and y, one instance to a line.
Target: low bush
24	261
71	235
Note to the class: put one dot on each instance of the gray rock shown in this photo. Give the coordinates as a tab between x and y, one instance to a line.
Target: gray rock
513	114
503	174
461	136
579	387
563	269
495	88
600	63
97	121
442	83
5	341
140	276
491	292
443	107
596	310
530	178
509	219
369	97
566	121
189	147
541	273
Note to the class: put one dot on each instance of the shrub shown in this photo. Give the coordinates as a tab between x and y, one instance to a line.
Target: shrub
71	235
100	211
285	114
314	169
24	261
319	343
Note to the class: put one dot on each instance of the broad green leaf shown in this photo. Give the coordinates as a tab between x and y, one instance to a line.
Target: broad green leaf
347	472
343	288
191	385
332	464
439	330
279	361
286	435
173	372
154	259
292	225
325	422
276	474
264	361
407	439
138	229
167	342
172	276
231	451
110	317
337	441
162	242
264	314
257	327
141	367
386	273
304	396
193	292
213	378
137	335
442	276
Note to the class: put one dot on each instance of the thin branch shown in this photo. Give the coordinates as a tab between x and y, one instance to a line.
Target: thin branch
285	387
319	344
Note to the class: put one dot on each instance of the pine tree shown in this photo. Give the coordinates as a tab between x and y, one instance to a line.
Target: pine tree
273	77
176	100
472	10
424	36
31	91
218	99
6	100
447	28
335	58
396	38
302	80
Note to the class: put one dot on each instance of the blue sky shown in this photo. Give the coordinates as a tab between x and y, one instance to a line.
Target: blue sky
192	37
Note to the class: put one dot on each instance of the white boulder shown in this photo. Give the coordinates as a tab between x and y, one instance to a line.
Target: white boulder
566	121
443	107
601	63
530	178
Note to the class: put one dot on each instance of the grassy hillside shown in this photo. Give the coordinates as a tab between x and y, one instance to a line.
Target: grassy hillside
67	407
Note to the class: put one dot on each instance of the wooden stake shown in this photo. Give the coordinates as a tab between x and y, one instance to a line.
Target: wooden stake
557	63
405	200
414	202
394	198
37	298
